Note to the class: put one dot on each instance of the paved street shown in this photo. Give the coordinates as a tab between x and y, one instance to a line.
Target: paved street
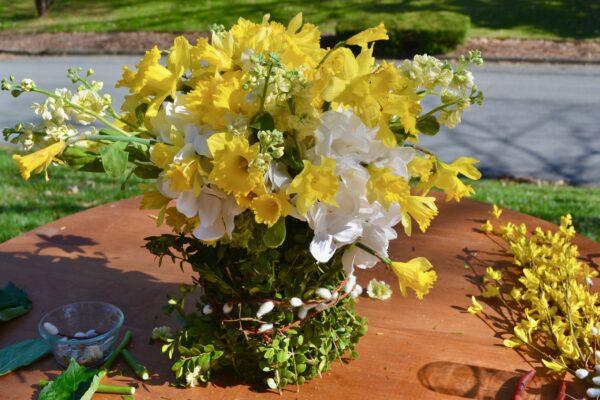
538	121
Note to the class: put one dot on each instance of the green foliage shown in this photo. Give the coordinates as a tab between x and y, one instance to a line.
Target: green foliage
500	18
13	302
22	354
76	382
245	277
114	159
433	32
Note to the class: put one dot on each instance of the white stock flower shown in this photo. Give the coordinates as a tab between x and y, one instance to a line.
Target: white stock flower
90	100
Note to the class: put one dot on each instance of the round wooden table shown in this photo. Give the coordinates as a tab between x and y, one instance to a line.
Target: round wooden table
428	349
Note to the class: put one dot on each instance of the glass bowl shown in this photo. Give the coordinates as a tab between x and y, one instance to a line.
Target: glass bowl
87	332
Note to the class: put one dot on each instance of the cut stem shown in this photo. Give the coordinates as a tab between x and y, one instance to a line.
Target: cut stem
113	356
107	389
138	368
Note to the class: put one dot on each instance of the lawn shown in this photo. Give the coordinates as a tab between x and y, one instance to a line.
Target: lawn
552	19
26	205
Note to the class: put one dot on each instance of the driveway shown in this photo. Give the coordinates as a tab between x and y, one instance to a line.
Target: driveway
540	121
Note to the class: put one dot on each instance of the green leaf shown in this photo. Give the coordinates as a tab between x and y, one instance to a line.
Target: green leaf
428	125
146	171
22	354
263	122
76	382
76	156
114	159
275	235
13	302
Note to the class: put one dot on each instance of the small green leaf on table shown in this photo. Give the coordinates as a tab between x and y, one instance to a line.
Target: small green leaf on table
13	302
22	354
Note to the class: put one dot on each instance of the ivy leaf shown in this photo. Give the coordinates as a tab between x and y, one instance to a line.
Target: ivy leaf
76	382
22	354
275	235
114	159
428	125
13	302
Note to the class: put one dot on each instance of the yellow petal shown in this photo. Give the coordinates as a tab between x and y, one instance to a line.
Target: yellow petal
369	35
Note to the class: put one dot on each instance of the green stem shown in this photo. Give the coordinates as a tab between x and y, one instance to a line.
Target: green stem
334	48
420	148
138	368
116	352
438	108
264	94
112	138
373	252
82	109
107	389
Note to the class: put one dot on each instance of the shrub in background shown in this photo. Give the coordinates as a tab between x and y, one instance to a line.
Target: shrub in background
431	32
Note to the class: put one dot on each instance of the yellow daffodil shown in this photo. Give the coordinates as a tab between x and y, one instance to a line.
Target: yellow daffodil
38	161
179	222
493	275
475	307
315	183
446	178
155	81
187	175
387	188
233	170
416	274
369	35
153	200
490	291
162	154
269	207
421	167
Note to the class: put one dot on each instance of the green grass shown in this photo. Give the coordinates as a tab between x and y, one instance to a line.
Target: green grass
547	202
27	205
553	19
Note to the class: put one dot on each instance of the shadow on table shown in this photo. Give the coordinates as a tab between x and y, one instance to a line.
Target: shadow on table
62	269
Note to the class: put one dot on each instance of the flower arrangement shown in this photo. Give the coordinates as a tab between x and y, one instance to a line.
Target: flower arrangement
550	310
281	167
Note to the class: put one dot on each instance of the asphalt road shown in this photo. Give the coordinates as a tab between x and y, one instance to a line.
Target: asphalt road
540	121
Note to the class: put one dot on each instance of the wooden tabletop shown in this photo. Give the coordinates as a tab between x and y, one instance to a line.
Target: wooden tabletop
428	349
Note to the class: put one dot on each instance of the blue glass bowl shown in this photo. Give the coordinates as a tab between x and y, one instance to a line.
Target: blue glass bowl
87	332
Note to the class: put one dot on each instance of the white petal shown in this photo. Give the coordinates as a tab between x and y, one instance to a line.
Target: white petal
265	308
188	204
322	247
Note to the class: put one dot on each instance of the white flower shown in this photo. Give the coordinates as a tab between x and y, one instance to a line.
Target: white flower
191	378
596	380
171	117
278	176
265	327
90	100
216	211
324	293
27	84
333	226
343	134
207	309
379	290
161	333
227	307
582	373
296	302
265	308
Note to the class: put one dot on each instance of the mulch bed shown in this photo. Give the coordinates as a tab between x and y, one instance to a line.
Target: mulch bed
528	50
